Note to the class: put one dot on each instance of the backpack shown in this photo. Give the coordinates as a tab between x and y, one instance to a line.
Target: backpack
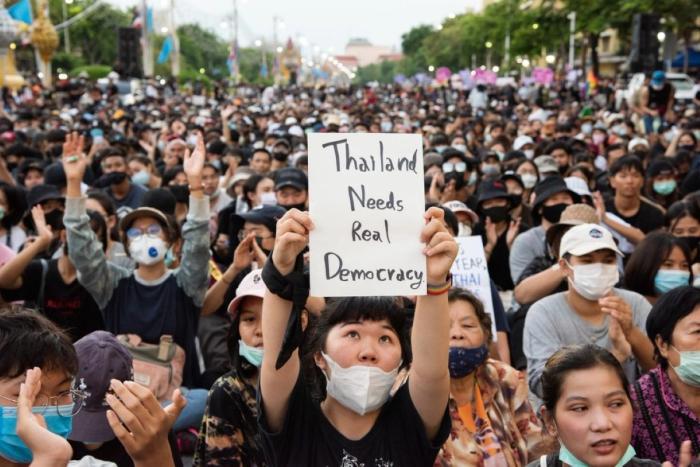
157	366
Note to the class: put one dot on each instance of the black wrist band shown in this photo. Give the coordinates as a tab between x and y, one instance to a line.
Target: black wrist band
295	288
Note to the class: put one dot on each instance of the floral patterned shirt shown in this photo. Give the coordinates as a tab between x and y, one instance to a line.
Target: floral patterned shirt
229	432
511	435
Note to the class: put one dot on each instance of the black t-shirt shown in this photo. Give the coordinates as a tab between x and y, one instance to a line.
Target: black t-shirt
68	305
397	438
499	261
647	219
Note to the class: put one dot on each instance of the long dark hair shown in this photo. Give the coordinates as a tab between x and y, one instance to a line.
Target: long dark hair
16	205
648	257
351	309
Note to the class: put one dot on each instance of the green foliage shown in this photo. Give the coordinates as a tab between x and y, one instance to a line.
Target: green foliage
67	61
93	71
200	48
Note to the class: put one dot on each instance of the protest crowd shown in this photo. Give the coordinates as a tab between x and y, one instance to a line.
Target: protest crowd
154	274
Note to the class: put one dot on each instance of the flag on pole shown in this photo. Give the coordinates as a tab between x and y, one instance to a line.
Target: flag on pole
263	70
21	11
149	19
165	50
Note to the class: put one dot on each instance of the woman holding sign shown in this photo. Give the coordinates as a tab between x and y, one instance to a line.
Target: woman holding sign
356	350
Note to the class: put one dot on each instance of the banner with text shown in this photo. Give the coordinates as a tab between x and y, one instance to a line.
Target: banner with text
470	271
367	203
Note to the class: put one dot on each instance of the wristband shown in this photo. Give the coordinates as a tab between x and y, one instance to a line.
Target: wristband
440	289
295	288
195	188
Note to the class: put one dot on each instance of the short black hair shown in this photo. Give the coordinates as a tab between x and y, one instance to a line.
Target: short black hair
557	145
627	162
16	205
346	310
647	258
28	340
257	150
672	307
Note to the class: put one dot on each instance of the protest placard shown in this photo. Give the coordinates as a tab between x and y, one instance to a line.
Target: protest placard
366	201
470	271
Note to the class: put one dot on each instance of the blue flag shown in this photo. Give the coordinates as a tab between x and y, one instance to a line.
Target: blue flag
149	19
165	50
21	11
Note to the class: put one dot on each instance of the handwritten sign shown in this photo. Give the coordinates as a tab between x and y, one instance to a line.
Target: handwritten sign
470	271
366	201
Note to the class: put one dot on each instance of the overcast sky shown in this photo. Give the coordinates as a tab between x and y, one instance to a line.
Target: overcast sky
328	24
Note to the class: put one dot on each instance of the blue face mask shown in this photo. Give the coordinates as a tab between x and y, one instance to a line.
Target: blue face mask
566	457
688	370
253	354
140	178
13	448
169	258
665	187
667	279
464	361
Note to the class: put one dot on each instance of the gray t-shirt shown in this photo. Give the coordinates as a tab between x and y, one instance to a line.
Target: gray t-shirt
551	324
526	247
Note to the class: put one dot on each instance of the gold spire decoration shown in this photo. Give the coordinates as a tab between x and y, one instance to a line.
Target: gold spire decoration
44	35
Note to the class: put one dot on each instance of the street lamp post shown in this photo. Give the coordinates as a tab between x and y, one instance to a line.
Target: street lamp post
572	31
488	46
66	30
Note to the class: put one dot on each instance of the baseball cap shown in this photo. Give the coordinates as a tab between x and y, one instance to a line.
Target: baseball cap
432	158
634	142
252	285
578	186
658	77
265	215
101	358
549	187
153	213
493	189
546	164
458	206
290	176
587	238
521	141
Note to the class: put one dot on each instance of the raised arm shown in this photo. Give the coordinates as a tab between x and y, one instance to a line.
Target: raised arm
242	258
429	378
276	385
95	273
193	273
11	272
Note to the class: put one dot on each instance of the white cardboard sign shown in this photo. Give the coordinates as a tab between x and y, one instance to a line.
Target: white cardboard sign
367	203
470	271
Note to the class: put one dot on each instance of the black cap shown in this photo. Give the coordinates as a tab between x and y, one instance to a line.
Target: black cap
492	189
510	175
216	147
549	187
40	193
290	176
265	215
659	166
161	199
55	175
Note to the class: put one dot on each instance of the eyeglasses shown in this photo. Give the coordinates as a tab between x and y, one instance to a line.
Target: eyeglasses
242	234
152	230
450	167
74	398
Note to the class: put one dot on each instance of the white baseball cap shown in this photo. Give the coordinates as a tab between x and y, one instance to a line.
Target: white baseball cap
634	142
587	238
578	186
458	206
521	141
252	285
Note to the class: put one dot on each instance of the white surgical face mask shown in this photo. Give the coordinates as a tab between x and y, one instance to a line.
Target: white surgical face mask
529	153
268	198
529	180
460	147
594	281
360	388
465	230
147	250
